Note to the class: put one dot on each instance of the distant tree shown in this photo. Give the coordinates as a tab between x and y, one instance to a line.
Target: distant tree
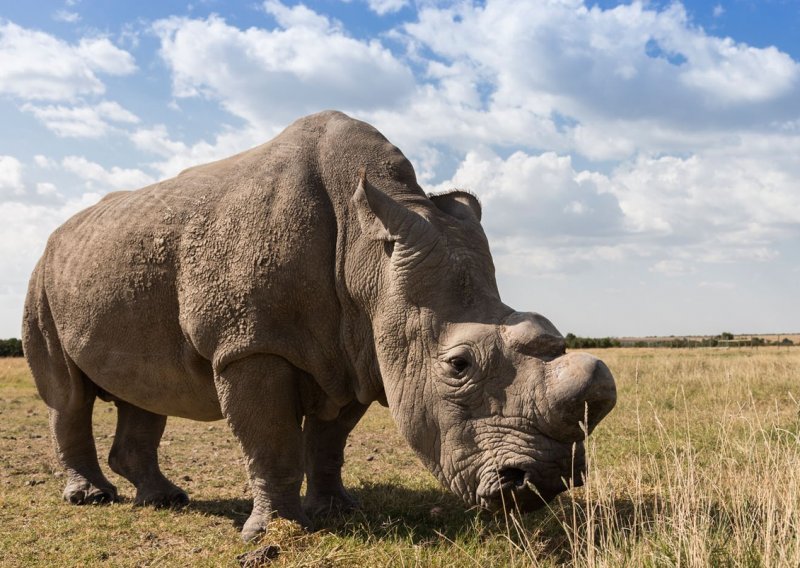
608	342
574	342
787	341
726	335
10	347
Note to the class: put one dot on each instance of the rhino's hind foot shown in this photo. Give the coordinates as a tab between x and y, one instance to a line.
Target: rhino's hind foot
165	496
81	492
134	456
332	502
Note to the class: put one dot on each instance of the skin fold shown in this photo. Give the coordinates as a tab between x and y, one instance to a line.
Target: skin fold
285	289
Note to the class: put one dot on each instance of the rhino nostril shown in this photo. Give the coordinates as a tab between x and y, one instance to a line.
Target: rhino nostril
575	481
511	477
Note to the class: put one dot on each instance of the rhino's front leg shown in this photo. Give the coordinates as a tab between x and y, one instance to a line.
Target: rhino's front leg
324	449
260	401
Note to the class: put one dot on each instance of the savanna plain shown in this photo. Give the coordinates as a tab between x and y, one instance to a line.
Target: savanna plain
698	465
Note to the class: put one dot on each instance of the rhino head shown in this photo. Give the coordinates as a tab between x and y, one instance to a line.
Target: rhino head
486	396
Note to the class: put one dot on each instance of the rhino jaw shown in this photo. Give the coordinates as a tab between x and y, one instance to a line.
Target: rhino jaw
528	486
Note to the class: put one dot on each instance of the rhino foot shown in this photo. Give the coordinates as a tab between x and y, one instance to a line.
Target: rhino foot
320	503
254	527
168	497
258	523
81	492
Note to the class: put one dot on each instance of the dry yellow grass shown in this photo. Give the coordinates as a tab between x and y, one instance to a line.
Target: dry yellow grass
699	465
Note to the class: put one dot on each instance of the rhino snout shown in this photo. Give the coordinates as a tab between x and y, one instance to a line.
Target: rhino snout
579	391
529	484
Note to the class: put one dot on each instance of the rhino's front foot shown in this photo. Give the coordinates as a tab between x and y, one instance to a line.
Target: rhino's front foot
258	523
79	491
328	501
164	495
259	398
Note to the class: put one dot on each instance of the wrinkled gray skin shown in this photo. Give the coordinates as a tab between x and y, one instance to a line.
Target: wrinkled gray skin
285	291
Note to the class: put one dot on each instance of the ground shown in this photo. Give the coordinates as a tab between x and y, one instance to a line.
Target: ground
698	465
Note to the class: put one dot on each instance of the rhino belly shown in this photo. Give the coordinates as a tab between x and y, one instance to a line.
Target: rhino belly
173	381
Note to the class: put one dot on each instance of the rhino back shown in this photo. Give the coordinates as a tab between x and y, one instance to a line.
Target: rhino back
151	289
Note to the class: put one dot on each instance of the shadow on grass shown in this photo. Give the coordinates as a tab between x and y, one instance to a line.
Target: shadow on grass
386	509
424	516
237	510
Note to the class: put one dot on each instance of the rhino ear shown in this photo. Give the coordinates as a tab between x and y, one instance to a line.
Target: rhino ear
460	204
381	217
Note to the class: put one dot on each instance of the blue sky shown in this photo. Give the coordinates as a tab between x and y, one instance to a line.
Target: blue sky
639	163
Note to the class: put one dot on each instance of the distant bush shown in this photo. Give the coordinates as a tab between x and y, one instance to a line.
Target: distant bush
575	342
10	347
724	339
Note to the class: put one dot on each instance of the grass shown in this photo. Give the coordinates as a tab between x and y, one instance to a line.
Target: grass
698	465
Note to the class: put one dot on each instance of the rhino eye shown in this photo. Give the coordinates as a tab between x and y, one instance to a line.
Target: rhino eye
458	364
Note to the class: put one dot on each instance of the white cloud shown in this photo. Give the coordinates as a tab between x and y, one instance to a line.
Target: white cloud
46	188
23	234
722	205
269	77
600	79
66	16
298	16
101	55
520	257
87	121
383	7
11	176
538	196
44	162
156	140
178	156
740	195
672	267
100	178
730	73
38	66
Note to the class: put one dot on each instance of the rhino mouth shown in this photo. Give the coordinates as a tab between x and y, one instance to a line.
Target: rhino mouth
526	488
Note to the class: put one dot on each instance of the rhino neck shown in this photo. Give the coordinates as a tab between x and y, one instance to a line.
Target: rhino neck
403	350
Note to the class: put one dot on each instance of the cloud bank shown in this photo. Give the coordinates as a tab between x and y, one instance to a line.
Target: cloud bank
628	138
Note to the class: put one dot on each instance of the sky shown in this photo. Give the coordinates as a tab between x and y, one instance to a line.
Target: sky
638	162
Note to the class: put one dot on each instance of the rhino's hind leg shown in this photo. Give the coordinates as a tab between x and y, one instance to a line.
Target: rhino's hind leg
72	434
70	396
134	456
260	400
324	457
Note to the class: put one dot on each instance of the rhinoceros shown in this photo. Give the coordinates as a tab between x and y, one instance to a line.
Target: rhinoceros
285	289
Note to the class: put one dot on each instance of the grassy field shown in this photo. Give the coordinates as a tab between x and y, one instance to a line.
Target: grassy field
698	465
